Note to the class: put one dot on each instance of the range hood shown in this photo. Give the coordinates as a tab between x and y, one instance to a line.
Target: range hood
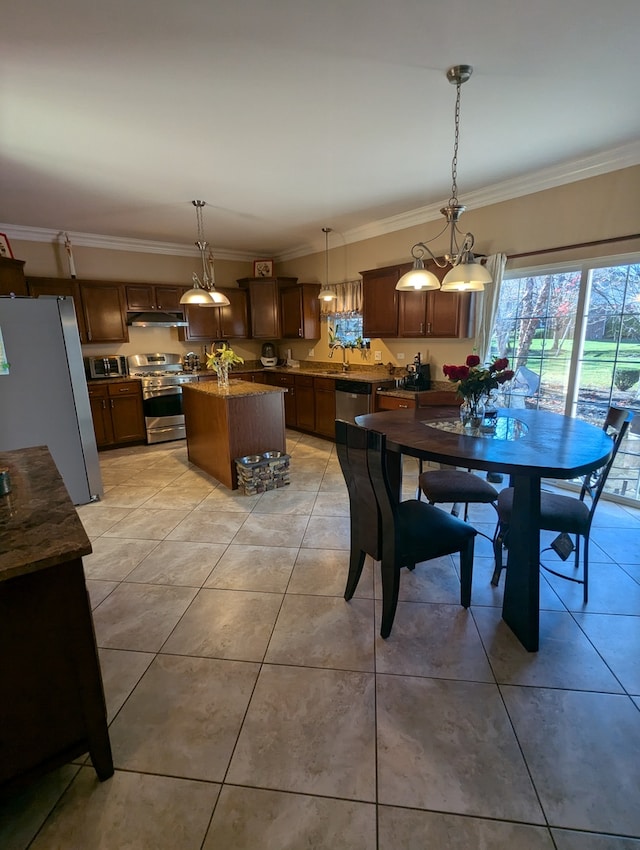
157	319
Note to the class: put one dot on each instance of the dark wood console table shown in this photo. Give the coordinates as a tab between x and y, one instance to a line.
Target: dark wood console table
52	706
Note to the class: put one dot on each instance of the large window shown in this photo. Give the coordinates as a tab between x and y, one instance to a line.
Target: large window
572	335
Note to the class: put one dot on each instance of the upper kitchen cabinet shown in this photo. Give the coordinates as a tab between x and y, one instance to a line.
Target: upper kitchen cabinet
103	308
264	304
300	311
209	323
12	281
143	297
60	286
388	312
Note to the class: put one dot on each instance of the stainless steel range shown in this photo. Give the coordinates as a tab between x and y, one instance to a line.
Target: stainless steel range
161	376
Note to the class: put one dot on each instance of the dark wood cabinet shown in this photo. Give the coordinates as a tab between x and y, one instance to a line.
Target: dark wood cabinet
305	402
103	308
12	280
209	323
67	287
144	297
388	312
117	412
264	304
325	406
278	379
300	311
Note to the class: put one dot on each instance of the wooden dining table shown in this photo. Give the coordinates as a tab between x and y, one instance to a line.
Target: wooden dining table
527	445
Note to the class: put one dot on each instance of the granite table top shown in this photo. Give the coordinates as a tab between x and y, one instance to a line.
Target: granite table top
39	526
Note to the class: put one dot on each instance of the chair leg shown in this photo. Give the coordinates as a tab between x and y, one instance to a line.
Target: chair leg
466	573
356	563
390	588
498	539
585	569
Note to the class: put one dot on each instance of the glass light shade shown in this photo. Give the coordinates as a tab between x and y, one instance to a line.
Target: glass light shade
200	296
326	295
466	277
418	278
216	299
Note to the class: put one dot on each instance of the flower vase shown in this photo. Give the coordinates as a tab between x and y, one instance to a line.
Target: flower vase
222	371
471	413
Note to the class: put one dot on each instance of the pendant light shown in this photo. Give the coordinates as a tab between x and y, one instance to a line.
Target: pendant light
204	292
326	294
466	274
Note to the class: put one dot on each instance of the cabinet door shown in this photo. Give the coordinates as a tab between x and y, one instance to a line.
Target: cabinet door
305	403
38	286
12	281
300	311
234	319
449	314
277	379
168	298
265	309
380	301
101	414
103	309
204	323
125	401
140	296
325	403
386	402
412	314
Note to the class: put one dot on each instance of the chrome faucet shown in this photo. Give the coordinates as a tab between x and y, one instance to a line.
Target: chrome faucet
332	348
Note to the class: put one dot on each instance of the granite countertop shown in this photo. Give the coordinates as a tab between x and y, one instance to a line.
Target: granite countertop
373	376
237	389
39	526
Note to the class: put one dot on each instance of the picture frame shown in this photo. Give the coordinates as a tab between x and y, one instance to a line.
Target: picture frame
263	268
5	247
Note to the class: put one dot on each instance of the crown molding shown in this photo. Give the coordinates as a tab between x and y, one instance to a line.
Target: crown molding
114	243
616	159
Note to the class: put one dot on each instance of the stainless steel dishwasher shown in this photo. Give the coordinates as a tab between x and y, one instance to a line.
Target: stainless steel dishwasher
353	398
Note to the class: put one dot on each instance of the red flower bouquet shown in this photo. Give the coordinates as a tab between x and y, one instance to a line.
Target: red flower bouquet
475	381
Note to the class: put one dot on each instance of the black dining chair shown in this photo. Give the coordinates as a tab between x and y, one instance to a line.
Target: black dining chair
398	534
568	515
457	486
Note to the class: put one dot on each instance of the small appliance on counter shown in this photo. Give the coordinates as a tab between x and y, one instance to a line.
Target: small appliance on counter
269	356
106	366
419	377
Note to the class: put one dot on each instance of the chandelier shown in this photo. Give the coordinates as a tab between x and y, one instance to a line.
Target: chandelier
326	294
204	291
466	273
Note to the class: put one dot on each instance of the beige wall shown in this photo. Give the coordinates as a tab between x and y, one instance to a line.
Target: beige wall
598	208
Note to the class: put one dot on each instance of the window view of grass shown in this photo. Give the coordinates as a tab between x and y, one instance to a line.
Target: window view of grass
539	328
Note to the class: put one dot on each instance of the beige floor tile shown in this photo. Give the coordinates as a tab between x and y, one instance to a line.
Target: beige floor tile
248	818
430	581
146	524
140	616
170	498
229	501
245	567
583	751
129	810
305	480
113	558
202	526
183	717
327	533
226	624
263	530
121	672
98	518
617	640
432	640
286	501
324	572
331	504
99	590
324	631
178	562
128	495
404	829
449	746
568	659
570	840
310	731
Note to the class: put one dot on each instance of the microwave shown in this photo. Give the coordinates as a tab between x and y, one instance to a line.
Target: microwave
108	366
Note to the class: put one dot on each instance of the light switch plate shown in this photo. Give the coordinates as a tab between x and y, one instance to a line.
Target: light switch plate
400	355
378	355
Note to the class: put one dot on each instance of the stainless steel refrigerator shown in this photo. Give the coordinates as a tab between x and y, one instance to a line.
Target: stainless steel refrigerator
44	399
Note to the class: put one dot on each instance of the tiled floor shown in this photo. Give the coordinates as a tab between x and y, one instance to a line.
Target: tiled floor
251	707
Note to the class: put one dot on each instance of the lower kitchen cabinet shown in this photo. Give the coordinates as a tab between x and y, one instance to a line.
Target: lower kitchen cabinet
386	402
305	402
325	405
277	379
117	413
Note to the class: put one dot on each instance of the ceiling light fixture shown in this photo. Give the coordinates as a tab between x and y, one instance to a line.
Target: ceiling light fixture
326	294
467	273
204	292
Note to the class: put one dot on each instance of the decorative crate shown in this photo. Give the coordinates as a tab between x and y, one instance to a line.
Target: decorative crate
257	473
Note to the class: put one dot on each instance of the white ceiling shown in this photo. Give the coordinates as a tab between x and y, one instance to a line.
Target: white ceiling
289	115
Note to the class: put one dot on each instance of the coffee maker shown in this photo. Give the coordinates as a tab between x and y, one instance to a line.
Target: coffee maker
419	377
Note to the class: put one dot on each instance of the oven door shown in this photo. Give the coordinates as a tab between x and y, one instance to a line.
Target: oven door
163	416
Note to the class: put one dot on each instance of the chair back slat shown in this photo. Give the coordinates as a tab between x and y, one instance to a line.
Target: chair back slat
616	424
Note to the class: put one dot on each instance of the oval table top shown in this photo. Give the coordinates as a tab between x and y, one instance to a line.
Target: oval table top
549	445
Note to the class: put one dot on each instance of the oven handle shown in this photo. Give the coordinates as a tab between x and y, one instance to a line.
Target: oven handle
160	391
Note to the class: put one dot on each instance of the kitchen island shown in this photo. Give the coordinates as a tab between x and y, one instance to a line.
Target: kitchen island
52	708
225	424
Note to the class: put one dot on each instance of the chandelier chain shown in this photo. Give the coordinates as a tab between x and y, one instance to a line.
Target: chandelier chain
454	162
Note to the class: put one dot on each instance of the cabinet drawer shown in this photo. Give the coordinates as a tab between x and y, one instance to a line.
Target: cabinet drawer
324	383
128	388
386	402
304	381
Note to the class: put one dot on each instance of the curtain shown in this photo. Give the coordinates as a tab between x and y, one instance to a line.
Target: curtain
486	314
348	300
